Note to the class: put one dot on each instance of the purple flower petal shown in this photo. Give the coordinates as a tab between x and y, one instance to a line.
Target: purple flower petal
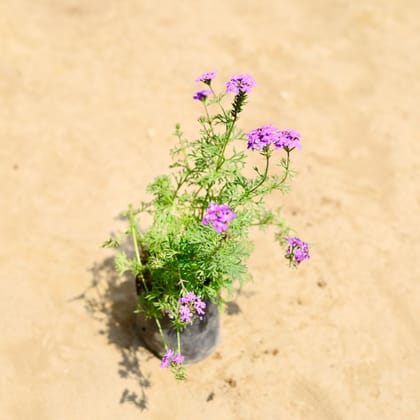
206	77
267	134
262	137
289	139
201	95
185	314
297	251
220	215
178	358
167	358
240	83
199	306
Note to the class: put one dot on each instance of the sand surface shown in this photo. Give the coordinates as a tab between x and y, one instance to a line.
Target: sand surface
89	94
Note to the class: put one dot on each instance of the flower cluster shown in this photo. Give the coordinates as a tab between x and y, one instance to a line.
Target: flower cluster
170	357
191	305
265	135
240	83
201	95
262	137
297	251
219	215
206	77
288	139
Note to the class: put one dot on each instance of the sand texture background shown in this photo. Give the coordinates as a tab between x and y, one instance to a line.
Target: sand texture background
89	94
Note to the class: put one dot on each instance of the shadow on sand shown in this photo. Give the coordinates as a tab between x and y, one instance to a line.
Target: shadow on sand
110	299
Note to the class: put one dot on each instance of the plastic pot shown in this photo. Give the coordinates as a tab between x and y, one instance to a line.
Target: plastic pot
198	340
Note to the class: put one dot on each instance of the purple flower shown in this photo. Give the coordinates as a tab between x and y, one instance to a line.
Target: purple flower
219	215
199	306
240	83
288	139
191	305
262	137
178	358
187	298
167	358
206	77
201	95
297	251
267	134
185	313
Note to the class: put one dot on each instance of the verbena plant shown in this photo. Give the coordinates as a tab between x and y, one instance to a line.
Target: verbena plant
197	245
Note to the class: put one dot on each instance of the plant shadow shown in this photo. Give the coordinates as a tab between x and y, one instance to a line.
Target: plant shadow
111	299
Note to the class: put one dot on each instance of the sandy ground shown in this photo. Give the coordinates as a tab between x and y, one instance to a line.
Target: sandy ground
89	94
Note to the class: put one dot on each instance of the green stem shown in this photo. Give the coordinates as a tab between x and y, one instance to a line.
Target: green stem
286	169
222	239
161	333
178	339
220	160
136	246
181	183
264	177
218	101
136	250
181	282
208	119
187	170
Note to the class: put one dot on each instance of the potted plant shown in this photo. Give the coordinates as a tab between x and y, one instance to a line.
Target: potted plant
197	246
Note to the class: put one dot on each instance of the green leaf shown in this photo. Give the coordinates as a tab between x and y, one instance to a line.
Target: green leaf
122	263
111	243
